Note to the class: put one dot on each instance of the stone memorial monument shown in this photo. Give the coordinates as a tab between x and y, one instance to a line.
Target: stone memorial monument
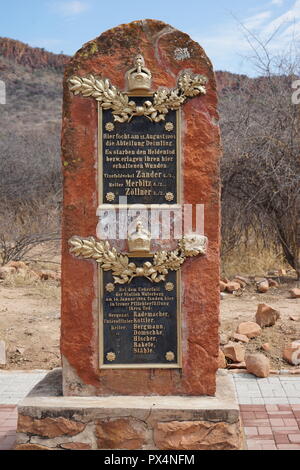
140	311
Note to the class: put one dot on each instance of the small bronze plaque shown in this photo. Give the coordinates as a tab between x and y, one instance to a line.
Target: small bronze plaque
139	158
140	322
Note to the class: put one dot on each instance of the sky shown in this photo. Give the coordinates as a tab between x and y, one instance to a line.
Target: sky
220	26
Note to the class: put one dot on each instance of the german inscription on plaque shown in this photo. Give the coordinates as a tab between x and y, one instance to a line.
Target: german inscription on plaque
139	159
140	322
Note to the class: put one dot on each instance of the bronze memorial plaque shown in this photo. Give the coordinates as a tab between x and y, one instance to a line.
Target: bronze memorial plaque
140	323
139	159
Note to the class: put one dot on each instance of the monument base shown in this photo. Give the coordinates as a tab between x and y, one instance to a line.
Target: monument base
49	421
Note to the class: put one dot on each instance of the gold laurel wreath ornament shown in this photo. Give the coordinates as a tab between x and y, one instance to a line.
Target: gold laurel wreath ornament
124	270
124	109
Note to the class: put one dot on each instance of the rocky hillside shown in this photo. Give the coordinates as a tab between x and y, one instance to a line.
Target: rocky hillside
33	79
229	81
33	57
30	122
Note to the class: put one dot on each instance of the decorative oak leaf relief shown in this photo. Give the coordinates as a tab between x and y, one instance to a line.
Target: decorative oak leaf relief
124	108
124	271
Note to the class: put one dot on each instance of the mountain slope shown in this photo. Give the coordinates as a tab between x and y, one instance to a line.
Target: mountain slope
34	57
30	122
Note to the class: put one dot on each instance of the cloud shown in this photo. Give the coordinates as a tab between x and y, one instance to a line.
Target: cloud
228	44
70	8
257	20
47	43
277	2
284	20
226	47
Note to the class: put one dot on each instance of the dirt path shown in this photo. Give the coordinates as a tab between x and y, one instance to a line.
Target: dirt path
235	310
30	323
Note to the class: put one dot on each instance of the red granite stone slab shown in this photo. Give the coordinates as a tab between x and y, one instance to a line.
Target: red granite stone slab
111	56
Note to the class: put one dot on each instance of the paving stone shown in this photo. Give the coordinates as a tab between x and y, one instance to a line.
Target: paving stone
251	430
254	394
285	408
7	442
290	422
15	385
254	446
294	438
277	422
279	401
250	415
281	439
288	447
245	401
256	422
261	441
294	401
265	431
258	401
252	408
281	414
253	387
261	415
286	430
2	353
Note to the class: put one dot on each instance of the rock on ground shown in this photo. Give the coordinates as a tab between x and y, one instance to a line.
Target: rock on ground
266	315
263	286
232	287
249	329
295	293
258	365
238	337
291	353
222	364
234	351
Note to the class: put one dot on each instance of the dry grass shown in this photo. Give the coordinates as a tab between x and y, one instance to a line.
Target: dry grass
20	279
252	261
45	289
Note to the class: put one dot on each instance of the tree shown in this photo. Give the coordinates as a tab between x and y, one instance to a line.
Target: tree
261	165
25	225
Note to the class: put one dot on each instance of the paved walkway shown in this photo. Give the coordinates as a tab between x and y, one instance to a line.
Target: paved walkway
270	408
14	386
270	411
279	390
